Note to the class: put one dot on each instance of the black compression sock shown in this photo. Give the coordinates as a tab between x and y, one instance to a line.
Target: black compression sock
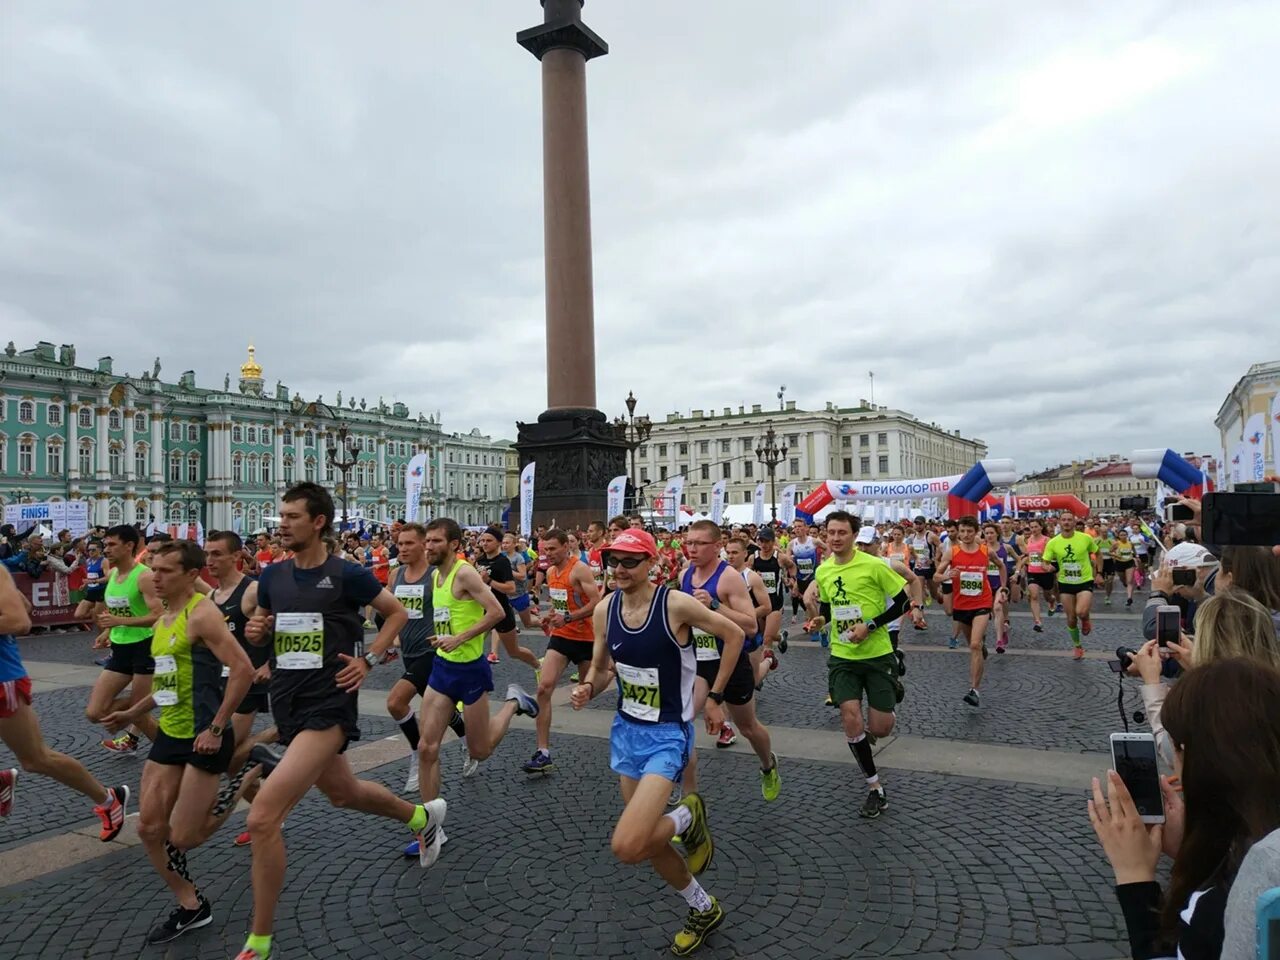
457	726
409	727
861	750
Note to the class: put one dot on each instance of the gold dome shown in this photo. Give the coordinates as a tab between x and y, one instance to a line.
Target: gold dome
250	369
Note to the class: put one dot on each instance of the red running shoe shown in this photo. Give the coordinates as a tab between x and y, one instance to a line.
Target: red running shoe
243	840
1086	626
112	813
8	780
727	737
1077	653
125	743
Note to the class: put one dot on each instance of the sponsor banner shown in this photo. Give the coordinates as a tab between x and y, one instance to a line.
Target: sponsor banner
1255	442
415	478
788	514
717	500
757	505
615	494
58	515
526	499
52	600
1275	435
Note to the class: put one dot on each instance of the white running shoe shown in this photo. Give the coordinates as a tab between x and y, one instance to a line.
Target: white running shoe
431	839
411	784
470	766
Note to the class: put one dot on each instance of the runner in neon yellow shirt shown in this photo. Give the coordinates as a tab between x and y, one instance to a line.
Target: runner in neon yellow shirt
1074	555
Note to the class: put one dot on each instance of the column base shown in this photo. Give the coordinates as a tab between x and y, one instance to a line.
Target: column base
577	453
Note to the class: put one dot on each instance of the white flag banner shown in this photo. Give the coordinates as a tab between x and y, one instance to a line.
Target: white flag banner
526	499
1239	461
880	511
757	505
1255	442
717	500
615	495
672	494
1275	434
788	514
415	478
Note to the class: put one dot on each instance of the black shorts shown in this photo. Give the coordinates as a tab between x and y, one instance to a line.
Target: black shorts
417	670
1108	567
96	593
1042	580
742	682
947	585
968	616
257	700
179	752
925	573
508	624
339	709
775	602
131	659
576	652
1070	589
1123	565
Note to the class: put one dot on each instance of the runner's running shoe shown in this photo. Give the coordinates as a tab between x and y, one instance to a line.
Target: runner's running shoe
539	763
180	921
697	925
874	805
771	781
125	743
112	813
1077	653
431	837
243	839
8	780
727	737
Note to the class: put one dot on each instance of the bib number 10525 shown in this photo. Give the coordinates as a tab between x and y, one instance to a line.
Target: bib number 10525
299	641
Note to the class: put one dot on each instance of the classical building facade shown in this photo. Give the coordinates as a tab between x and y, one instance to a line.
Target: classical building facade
1064	478
835	443
1107	482
1252	394
142	449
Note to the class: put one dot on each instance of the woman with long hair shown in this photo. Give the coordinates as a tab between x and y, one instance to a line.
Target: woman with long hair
1224	719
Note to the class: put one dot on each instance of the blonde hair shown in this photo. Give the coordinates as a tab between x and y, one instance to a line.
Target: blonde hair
1233	624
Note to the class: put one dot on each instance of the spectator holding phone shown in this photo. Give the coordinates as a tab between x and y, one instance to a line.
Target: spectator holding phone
1224	718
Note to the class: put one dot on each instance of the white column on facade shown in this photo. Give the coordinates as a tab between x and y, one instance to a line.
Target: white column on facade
102	469
157	443
73	444
380	476
277	475
128	447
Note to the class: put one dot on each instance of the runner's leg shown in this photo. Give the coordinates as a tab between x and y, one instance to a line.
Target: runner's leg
159	794
21	734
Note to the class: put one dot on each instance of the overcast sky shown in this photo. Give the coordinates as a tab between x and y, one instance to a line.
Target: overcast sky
1052	226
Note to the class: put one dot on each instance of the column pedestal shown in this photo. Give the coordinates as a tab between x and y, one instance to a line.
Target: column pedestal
577	454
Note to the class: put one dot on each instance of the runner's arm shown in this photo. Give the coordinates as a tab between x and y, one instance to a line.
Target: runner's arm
597	676
686	610
13	608
762	610
582	580
736	603
943	565
915	586
205	623
394	617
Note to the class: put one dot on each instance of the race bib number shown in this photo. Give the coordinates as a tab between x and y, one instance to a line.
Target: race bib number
559	600
164	685
639	691
443	619
299	641
804	567
993	570
597	574
970	583
1072	571
411	598
226	671
1033	558
704	646
770	579
844	619
118	604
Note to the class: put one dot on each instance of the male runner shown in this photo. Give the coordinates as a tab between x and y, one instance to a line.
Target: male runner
868	541
965	562
762	661
495	571
597	542
573	601
311	607
804	552
775	569
645	631
465	609
410	585
132	608
849	595
1074	554
20	728
193	746
705	581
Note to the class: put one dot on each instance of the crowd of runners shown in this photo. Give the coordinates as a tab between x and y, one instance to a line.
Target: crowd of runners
675	624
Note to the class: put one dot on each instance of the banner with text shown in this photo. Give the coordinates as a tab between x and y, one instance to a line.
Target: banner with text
615	495
717	500
757	505
415	478
672	495
1275	434
52	600
1239	463
788	514
526	500
1255	442
58	515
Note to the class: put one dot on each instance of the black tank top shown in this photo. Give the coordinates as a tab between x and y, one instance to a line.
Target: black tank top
770	572
233	614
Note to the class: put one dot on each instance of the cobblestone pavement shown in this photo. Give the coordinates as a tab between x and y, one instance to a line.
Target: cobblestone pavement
963	868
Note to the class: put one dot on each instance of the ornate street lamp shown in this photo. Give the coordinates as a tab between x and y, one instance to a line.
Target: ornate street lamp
632	431
770	454
350	455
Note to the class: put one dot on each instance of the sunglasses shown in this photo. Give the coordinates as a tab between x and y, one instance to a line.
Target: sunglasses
625	562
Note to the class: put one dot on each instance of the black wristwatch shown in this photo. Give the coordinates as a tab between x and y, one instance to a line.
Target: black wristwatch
372	659
716	698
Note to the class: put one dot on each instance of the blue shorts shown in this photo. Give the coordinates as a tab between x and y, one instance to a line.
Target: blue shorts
467	682
636	749
520	602
752	643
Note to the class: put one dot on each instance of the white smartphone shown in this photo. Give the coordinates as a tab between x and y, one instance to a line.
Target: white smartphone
1133	757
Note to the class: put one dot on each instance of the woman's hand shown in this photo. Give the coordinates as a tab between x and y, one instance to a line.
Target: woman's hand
1175	816
1146	660
1132	846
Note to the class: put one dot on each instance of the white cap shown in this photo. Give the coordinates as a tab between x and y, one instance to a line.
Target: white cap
1189	555
866	535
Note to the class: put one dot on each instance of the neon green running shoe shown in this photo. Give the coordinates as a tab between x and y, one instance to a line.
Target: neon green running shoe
697	925
770	781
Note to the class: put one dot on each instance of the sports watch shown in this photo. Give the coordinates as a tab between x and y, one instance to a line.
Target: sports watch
371	659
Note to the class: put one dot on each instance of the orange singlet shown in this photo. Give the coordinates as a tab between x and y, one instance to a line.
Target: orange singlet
566	600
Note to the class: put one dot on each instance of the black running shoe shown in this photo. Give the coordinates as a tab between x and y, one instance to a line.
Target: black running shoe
782	642
180	921
874	805
268	755
971	698
902	662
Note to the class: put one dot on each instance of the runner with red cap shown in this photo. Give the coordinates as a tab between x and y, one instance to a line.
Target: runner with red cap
647	632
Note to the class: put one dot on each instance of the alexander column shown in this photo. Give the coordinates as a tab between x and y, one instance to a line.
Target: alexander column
576	448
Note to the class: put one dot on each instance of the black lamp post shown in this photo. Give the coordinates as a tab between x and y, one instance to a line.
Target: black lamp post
633	431
770	454
350	456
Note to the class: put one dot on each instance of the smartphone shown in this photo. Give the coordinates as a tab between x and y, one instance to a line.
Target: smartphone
1269	924
1246	519
1178	513
1184	576
1168	624
1133	757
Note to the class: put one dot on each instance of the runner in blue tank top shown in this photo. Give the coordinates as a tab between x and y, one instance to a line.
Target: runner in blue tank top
20	729
646	631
